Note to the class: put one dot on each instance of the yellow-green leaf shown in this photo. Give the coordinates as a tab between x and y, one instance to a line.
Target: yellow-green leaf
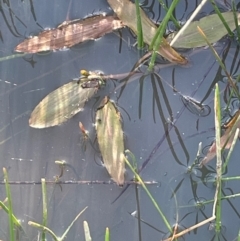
212	27
60	105
126	11
110	139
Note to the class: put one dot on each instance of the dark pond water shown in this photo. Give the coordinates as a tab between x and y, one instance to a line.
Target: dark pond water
159	129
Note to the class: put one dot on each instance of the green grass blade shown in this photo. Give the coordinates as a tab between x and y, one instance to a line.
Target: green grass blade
87	231
40	226
71	224
139	26
134	165
10	209
231	150
222	18
107	235
196	11
176	23
157	39
230	80
45	212
217	109
150	196
15	220
13	56
44	228
235	14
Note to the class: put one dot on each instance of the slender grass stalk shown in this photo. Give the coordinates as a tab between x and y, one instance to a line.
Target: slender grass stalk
139	26
135	167
231	150
226	179
71	224
235	13
107	235
196	159
238	236
45	212
203	203
15	220
221	18
220	63
87	231
40	226
217	110
150	196
10	208
13	56
157	39
197	10
176	23
138	213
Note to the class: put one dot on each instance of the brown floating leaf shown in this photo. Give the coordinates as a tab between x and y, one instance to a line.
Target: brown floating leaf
60	105
226	140
70	33
110	139
126	11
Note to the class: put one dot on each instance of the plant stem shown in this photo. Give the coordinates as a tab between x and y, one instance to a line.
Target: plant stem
157	39
45	212
10	210
217	109
221	17
139	26
150	196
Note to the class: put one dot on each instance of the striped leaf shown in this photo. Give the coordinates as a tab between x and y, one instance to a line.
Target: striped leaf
60	105
110	139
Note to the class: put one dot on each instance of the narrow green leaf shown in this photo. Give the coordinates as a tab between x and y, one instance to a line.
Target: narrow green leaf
221	17
45	212
139	26
10	208
87	231
107	235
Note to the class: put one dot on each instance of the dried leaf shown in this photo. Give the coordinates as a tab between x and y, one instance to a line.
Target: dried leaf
212	27
226	140
126	11
110	140
60	105
70	33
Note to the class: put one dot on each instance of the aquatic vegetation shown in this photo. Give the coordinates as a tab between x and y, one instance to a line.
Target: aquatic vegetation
110	139
211	25
70	33
60	105
226	139
63	103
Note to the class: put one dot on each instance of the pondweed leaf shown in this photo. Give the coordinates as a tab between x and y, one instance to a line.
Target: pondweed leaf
226	139
126	11
70	33
110	139
212	27
60	105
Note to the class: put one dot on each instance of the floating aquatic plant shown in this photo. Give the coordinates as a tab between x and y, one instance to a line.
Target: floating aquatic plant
60	105
70	33
110	139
